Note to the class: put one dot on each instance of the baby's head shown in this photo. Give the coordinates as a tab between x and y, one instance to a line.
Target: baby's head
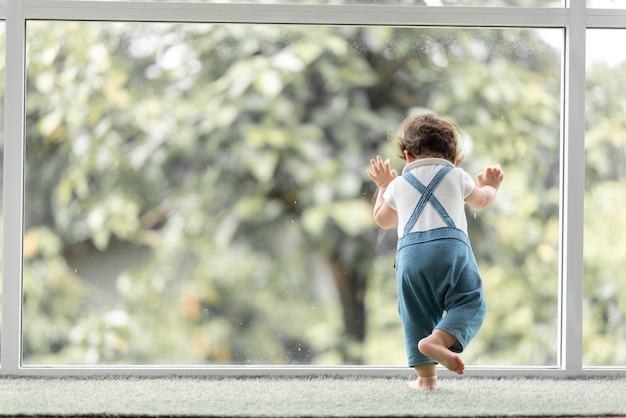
428	135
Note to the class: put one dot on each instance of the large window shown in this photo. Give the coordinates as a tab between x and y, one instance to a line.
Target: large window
184	183
197	193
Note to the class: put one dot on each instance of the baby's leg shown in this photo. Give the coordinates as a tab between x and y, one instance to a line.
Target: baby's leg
436	346
426	377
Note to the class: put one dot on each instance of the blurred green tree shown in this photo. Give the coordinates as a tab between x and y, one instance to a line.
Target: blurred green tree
225	165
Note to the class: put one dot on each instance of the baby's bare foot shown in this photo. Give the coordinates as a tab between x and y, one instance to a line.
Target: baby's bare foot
432	348
423	383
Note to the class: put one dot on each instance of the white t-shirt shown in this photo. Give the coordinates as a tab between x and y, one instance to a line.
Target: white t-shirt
451	193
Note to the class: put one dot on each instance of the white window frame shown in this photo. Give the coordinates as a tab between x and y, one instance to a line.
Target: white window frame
574	19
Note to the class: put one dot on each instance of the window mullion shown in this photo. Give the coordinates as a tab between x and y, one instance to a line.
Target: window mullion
573	188
13	188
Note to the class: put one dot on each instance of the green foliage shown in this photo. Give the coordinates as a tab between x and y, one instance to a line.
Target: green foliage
222	168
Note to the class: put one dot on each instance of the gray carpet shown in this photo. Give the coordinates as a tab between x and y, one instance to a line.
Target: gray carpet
310	397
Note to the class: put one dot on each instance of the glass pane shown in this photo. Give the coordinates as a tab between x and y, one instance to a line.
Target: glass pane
605	198
197	194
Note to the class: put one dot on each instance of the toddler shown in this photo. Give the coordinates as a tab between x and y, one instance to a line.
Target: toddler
435	267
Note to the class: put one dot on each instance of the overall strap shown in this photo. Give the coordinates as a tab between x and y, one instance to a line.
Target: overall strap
427	196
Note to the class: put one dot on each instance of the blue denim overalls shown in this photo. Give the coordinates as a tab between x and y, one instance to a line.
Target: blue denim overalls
437	273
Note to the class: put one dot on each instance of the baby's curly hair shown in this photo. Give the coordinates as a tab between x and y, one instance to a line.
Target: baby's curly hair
428	135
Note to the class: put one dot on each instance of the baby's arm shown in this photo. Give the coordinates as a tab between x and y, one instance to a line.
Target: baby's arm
382	174
488	183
